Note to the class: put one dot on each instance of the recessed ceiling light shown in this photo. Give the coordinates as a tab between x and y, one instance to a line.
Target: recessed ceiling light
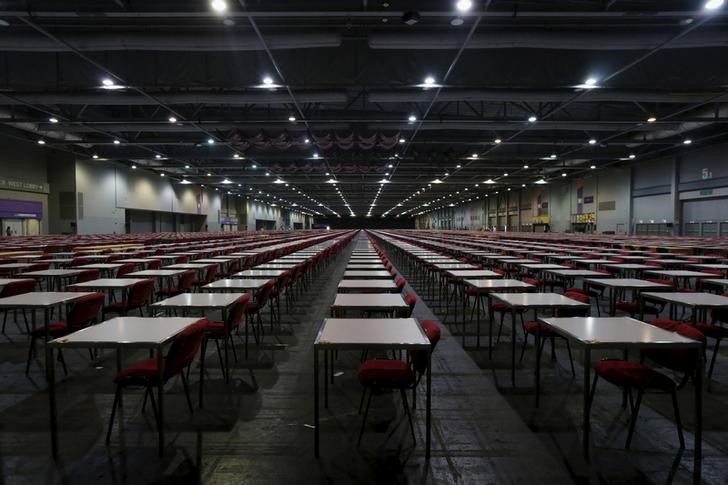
632	156
172	119
41	142
117	142
402	140
157	156
94	156
687	142
713	4
651	119
497	141
412	118
592	141
133	166
464	5
187	166
218	5
210	141
107	82
53	120
291	118
532	119
525	166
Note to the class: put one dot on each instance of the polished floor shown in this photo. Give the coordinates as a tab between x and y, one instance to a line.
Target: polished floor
258	428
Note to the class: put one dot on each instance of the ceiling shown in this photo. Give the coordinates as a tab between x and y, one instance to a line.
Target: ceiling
348	101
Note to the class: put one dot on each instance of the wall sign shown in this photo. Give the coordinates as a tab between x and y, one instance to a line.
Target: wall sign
589	199
21	209
19	185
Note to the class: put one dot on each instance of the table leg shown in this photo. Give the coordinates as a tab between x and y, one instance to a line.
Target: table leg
490	327
316	401
160	399
428	407
698	452
612	301
227	360
477	309
51	377
538	364
513	347
587	404
326	379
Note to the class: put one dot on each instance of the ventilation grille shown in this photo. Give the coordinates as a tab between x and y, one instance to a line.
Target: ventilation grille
80	205
608	205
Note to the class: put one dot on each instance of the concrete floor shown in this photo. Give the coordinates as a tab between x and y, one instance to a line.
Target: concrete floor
258	428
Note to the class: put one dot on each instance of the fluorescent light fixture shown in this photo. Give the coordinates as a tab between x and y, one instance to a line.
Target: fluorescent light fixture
460	166
226	181
187	166
540	182
632	156
497	141
161	174
651	119
210	141
592	141
552	156
505	174
331	181
235	155
185	182
253	166
593	167
384	181
489	182
133	167
107	82
291	118
525	166
437	181
687	142
563	174
402	140
279	181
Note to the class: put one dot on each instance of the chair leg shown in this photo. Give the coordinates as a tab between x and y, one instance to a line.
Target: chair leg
31	351
405	405
500	328
62	361
361	401
523	347
5	319
232	347
154	406
219	356
678	421
712	358
571	359
633	421
186	387
592	392
364	419
117	396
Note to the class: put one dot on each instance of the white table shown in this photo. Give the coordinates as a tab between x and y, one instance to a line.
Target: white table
378	334
695	301
372	274
237	284
626	333
259	273
118	333
371	286
625	284
378	302
55	277
535	302
112	284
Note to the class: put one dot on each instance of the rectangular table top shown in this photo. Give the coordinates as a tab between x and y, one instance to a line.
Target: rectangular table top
236	284
625	283
577	273
101	266
158	273
702	300
126	331
369	300
53	272
474	273
496	284
259	273
367	274
538	300
364	284
107	283
679	273
542	266
41	299
199	300
373	333
616	331
187	266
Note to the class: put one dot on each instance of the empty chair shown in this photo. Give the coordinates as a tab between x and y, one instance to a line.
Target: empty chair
88	275
253	315
394	374
83	313
16	288
154	264
232	268
79	261
125	269
184	284
138	297
411	300
636	375
716	331
210	275
146	374
223	330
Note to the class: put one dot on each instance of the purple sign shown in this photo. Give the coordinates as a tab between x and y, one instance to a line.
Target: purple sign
20	209
589	199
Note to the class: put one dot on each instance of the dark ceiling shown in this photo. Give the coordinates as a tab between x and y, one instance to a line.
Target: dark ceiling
352	73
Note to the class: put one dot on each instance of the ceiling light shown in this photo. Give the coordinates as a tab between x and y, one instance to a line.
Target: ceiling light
593	167
437	181
161	174
523	185
563	174
540	181
429	80
172	119
185	182
267	174
552	156
53	120
107	82
489	182
267	80
133	167
632	156
497	141
402	140
713	4
525	166
505	174
226	181
460	166
331	181
384	181
315	155
94	156
210	141
279	181
209	174
464	5
457	22
235	155
218	5
187	166
651	119
41	142
532	119
687	142
291	118
592	141
307	140
253	166
117	142
412	118
158	156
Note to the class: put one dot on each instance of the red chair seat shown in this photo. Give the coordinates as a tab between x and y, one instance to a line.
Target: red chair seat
56	328
632	307
534	327
475	291
712	331
633	374
116	306
252	307
140	373
385	373
217	328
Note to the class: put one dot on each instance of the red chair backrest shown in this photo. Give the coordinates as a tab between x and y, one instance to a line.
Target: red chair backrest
680	360
84	311
211	273
265	293
419	357
88	275
17	288
574	312
140	293
234	266
38	267
401	283
237	311
185	280
180	259
78	261
124	269
184	348
154	264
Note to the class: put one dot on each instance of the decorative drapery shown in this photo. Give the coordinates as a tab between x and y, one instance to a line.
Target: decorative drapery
325	141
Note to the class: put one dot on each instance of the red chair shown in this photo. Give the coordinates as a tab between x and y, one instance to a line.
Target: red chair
411	300
79	261
635	375
88	275
145	373
138	297
14	288
184	284
154	264
83	313
394	374
223	330
716	331
180	260
125	269
253	316
232	268
37	267
210	275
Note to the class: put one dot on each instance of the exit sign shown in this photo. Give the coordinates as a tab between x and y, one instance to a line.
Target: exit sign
706	192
